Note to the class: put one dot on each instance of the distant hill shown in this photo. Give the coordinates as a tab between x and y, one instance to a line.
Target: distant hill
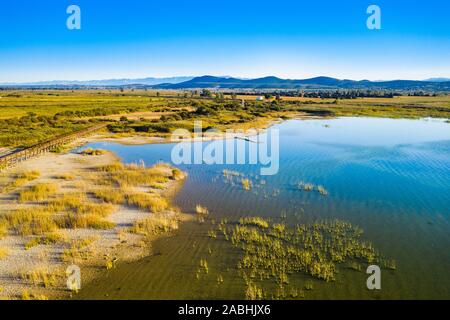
109	82
211	82
438	79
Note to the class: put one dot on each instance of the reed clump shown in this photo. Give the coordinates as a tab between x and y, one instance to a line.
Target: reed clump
79	204
41	276
276	250
78	250
28	295
4	225
93	152
84	221
202	212
255	221
4	252
31	221
246	184
305	186
134	175
322	190
110	195
146	201
38	192
25	177
156	225
65	176
253	292
48	239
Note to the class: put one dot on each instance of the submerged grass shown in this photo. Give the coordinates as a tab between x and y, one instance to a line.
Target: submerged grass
276	251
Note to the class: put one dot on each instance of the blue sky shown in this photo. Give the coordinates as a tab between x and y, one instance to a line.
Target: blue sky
246	38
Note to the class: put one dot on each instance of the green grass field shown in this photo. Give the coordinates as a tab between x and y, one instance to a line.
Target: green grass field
28	117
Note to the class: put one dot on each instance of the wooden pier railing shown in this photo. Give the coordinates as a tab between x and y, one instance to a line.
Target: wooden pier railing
16	157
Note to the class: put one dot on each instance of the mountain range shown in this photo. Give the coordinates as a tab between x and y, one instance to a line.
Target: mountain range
212	82
110	82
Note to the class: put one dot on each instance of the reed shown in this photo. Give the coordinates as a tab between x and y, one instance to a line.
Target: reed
305	186
38	192
78	249
110	195
202	213
156	225
275	251
93	152
83	221
246	184
65	176
255	221
25	177
50	238
79	204
28	295
4	226
322	190
31	221
145	201
41	276
4	252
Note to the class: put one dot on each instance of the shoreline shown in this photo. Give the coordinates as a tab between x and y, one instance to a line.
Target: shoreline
38	272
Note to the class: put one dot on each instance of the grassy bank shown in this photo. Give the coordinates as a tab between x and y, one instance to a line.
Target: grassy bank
84	209
28	117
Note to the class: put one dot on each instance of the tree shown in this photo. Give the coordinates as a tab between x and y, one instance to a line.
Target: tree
206	93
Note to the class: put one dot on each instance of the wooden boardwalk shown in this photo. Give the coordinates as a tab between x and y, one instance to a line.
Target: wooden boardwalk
16	157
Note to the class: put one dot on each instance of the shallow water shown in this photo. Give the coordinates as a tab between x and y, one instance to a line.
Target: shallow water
390	177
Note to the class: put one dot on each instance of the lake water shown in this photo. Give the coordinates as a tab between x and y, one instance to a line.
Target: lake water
390	177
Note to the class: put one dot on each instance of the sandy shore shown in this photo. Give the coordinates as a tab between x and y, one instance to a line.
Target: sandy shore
116	244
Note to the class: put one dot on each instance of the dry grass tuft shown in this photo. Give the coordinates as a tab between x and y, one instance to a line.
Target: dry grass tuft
4	225
31	221
83	221
93	152
146	201
65	176
38	192
110	195
41	276
156	225
4	252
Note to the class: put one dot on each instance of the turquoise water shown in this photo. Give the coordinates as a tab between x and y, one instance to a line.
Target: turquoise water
390	177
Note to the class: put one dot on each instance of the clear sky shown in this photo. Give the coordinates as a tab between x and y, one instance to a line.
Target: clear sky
245	38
